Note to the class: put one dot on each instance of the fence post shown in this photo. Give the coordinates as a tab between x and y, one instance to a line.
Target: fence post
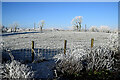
92	41
32	51
65	43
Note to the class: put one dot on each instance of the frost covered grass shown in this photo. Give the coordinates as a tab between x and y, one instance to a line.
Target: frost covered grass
54	39
79	57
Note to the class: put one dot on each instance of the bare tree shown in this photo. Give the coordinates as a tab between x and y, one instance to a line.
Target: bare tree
1	27
77	22
11	27
34	26
85	28
41	24
15	25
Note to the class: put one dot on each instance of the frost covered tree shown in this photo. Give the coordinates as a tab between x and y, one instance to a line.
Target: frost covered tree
104	29
76	22
93	29
10	28
3	28
41	24
15	25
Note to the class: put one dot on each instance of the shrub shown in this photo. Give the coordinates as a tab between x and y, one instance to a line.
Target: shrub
85	59
16	70
113	41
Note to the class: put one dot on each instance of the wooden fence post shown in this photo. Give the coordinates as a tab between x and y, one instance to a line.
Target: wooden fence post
65	43
32	51
92	41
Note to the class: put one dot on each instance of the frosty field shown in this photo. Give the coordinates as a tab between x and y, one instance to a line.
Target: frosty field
60	40
78	46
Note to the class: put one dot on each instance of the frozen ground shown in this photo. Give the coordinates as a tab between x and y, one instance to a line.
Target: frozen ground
52	40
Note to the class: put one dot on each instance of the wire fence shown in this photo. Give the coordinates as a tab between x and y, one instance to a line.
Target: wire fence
39	53
35	52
